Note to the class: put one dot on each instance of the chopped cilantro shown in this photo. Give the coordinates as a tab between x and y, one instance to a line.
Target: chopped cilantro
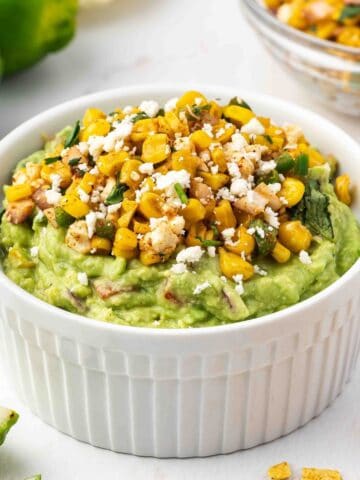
74	161
117	194
139	116
265	236
349	11
73	136
313	211
284	162
240	103
302	164
209	243
50	160
181	193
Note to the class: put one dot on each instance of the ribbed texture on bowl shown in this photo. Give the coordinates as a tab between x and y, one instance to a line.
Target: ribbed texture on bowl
182	405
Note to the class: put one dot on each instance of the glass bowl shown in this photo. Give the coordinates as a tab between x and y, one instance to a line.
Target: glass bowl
329	71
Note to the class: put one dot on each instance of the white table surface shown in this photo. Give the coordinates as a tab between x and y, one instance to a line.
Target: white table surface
148	41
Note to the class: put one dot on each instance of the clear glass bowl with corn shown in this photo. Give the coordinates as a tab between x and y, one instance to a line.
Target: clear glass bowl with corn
324	56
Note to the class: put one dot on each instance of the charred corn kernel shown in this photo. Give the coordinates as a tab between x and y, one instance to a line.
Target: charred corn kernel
342	189
128	209
215	180
149	258
209	207
99	128
110	164
125	240
151	205
130	174
244	242
74	206
142	128
57	168
18	192
87	182
194	211
155	148
184	160
243	218
140	227
215	109
173	121
223	131
101	245
91	115
197	232
238	115
320	474
292	190
315	157
201	139
224	215
127	254
192	97
232	264
350	36
218	157
281	471
280	253
295	236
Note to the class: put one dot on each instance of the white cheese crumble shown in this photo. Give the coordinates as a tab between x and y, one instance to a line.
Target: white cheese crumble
239	187
114	208
207	128
211	251
150	107
233	169
169	179
254	127
90	220
171	104
34	251
178	268
259	271
227	234
274	187
84	197
305	258
190	255
146	168
239	288
83	279
52	197
238	142
201	287
271	217
266	167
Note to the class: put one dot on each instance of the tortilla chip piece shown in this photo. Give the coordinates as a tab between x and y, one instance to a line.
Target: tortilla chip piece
320	474
281	471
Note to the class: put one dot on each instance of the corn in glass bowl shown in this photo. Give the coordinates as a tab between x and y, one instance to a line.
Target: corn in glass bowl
328	70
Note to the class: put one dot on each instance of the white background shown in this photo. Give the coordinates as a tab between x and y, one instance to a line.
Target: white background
148	41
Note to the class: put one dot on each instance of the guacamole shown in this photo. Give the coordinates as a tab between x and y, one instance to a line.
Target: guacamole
197	279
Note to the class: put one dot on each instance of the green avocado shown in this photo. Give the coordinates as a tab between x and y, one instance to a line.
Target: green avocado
153	296
8	418
30	29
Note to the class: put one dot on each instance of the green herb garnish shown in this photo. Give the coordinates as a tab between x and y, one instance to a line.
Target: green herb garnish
117	194
313	211
265	236
2	211
272	177
209	243
196	110
214	229
73	136
139	116
302	164
240	103
181	193
50	160
105	230
160	113
63	219
284	162
74	161
349	11
268	138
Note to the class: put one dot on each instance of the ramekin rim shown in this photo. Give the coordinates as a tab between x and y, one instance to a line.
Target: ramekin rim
88	322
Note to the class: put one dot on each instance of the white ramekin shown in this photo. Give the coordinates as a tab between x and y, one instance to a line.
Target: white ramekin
181	393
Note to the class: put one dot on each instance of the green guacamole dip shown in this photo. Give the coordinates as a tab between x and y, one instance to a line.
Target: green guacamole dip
153	296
